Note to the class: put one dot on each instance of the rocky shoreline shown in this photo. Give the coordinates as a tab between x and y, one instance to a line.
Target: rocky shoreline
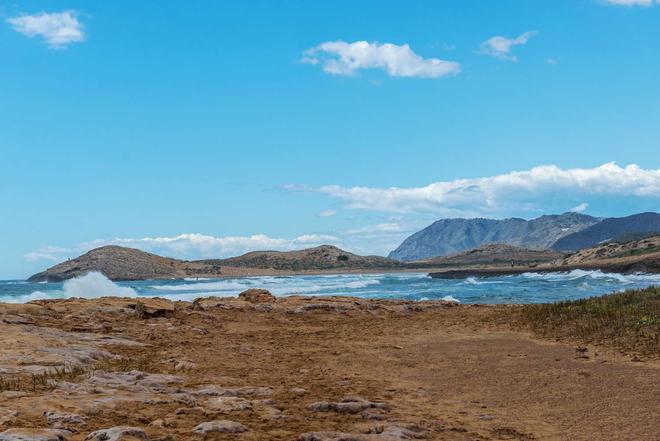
264	368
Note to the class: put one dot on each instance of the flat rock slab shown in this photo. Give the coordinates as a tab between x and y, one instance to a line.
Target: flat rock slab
119	433
221	426
226	404
33	435
347	405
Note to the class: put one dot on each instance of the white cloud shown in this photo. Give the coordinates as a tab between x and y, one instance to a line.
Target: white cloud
342	58
500	47
57	29
505	193
190	246
46	253
200	245
327	213
390	227
630	2
370	239
580	208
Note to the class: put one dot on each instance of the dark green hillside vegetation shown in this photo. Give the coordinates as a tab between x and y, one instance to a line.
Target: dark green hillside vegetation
629	321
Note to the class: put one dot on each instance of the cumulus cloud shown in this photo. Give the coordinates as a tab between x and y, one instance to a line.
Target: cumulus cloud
327	213
46	253
369	239
505	193
190	245
580	208
500	47
56	29
200	245
631	2
342	58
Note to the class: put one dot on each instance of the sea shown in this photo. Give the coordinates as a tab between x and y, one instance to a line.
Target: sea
522	288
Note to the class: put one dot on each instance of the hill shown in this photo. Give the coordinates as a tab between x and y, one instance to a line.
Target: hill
645	248
116	263
493	254
449	236
119	263
324	257
615	228
640	255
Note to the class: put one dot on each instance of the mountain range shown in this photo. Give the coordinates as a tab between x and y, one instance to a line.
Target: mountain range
565	232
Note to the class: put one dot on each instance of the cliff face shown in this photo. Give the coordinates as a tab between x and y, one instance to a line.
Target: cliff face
119	263
449	236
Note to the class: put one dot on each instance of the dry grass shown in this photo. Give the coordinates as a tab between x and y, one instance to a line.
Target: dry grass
44	381
629	321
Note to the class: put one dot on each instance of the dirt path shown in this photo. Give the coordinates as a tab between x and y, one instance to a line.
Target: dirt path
381	371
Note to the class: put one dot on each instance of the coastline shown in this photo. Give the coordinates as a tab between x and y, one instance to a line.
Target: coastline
306	368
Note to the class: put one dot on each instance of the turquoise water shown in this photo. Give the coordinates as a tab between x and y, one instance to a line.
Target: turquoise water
524	288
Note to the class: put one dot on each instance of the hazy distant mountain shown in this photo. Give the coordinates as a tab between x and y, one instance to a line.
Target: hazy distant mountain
449	236
614	228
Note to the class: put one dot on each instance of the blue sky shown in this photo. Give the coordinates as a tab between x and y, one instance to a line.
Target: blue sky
188	128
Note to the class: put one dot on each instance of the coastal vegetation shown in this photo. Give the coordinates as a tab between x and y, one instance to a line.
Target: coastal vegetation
628	321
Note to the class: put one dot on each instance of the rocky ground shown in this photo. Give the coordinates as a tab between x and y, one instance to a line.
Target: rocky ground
260	368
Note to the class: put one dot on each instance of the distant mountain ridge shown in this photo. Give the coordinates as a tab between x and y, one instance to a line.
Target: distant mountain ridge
614	228
450	236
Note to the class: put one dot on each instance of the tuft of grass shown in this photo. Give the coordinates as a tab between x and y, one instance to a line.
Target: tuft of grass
126	364
43	381
629	321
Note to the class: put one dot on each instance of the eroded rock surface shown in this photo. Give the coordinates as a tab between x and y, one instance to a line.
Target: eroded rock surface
108	369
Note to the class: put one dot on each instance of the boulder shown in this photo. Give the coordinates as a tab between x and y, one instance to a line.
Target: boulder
255	295
152	307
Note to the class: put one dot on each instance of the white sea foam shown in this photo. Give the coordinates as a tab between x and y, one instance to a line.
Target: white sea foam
93	285
223	285
89	286
361	283
450	299
593	274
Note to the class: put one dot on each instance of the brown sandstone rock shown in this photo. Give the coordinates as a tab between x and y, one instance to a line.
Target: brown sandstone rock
254	295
